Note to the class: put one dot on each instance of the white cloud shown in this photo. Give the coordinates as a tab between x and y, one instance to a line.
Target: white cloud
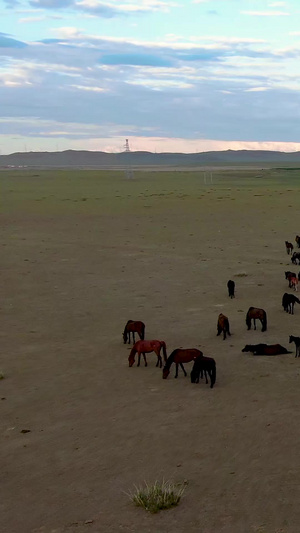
265	13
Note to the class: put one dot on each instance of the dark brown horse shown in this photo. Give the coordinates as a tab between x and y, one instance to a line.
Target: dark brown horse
133	327
231	288
143	347
265	349
223	325
296	340
205	365
297	239
254	313
289	247
179	356
288	302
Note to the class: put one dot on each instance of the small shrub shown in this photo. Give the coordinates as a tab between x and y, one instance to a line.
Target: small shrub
156	497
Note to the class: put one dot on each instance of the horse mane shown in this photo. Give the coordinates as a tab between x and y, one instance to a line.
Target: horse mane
170	359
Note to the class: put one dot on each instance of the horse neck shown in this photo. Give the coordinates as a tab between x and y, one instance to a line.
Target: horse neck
170	359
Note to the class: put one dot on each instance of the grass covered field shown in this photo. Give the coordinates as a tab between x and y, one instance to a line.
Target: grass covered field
83	252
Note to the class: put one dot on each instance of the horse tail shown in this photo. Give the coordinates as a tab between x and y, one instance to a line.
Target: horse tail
164	347
143	331
213	375
264	321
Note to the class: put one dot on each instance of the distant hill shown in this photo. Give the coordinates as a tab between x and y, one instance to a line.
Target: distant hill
87	159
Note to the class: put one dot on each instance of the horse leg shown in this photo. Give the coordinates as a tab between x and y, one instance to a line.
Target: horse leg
219	331
176	373
224	334
133	336
139	358
205	373
183	369
145	359
254	327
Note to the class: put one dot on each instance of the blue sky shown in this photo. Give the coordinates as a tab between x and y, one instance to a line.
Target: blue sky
169	75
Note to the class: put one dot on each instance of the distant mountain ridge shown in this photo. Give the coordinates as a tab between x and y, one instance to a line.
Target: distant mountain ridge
88	159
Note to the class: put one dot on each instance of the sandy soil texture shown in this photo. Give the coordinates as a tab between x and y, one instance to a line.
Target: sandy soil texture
81	254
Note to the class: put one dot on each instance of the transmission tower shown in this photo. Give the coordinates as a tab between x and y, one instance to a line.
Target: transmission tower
128	169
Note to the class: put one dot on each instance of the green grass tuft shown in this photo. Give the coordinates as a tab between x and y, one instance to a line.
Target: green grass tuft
156	497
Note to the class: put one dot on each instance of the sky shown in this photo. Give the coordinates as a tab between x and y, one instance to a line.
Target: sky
168	75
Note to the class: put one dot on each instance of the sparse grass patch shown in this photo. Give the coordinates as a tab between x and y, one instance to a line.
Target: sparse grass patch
158	496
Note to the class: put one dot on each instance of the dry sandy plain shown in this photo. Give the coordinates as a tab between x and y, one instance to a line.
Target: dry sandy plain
83	252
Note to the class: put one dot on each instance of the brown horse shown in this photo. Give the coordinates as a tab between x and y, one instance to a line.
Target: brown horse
223	325
143	347
206	365
133	327
254	313
179	356
289	247
297	239
265	349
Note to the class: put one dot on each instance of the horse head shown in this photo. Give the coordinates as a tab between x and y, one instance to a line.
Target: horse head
247	348
166	372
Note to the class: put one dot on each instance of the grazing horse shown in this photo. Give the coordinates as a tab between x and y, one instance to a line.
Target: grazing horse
265	349
295	257
179	356
289	247
133	327
297	239
259	314
143	347
231	287
206	365
288	302
223	325
296	340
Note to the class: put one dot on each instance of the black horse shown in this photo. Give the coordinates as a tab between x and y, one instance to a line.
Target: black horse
288	302
296	340
231	287
255	313
295	257
265	349
206	365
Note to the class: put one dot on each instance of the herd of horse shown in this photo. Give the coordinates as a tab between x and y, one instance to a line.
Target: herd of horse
206	366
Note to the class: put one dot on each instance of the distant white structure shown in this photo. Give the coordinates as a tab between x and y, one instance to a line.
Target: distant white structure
128	169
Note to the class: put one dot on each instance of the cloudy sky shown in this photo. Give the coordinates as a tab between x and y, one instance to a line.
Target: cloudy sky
169	75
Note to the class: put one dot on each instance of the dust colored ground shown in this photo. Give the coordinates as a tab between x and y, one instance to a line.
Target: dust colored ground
83	252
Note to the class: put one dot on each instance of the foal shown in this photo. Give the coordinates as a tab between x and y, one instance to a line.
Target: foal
223	325
231	287
296	340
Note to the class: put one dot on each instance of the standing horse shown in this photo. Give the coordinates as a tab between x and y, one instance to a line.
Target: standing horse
231	287
289	247
223	325
143	347
179	356
297	239
296	340
288	302
133	327
289	274
293	283
254	313
206	365
295	257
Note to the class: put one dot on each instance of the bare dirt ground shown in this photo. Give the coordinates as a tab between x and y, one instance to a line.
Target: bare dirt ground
80	256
